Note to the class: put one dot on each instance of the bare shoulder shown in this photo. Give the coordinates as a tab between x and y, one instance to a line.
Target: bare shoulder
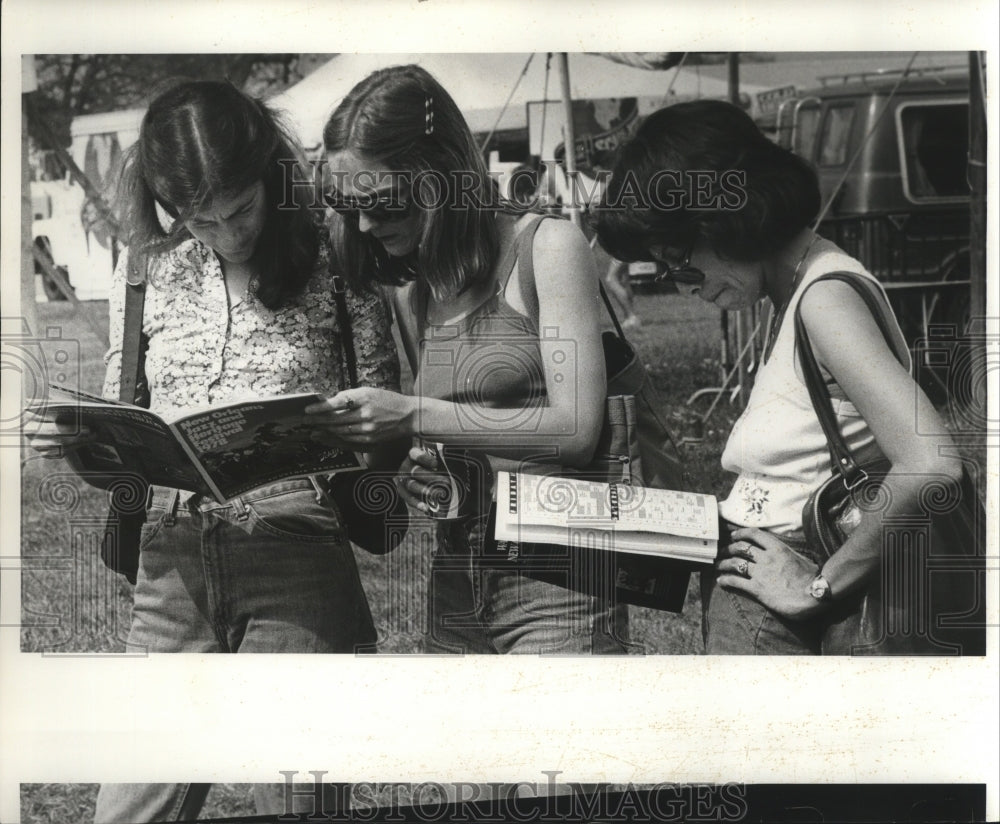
560	234
832	307
843	329
561	246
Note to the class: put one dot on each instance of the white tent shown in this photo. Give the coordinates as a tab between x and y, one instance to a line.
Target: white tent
481	83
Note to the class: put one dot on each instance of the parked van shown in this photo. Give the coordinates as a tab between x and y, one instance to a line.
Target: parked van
892	152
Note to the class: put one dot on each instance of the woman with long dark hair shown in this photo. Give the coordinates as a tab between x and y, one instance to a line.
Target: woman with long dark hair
239	304
729	214
507	359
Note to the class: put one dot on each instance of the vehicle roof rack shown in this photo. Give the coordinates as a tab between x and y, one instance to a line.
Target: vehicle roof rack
926	71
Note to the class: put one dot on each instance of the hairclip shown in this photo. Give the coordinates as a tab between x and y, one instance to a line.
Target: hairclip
429	115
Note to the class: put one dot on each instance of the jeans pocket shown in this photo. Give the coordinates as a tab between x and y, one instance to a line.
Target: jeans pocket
297	515
151	527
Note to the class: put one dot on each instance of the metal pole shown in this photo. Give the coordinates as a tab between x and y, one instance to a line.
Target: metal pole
569	141
744	319
977	194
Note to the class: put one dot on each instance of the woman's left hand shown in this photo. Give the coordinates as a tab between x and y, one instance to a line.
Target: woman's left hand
366	416
763	566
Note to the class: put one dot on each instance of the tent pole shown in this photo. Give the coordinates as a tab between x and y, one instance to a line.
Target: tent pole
745	317
569	141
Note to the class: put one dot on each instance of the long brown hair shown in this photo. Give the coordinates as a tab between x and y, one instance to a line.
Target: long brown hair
203	139
402	118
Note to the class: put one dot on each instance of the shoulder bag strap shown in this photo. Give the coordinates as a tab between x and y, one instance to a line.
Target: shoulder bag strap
133	377
841	456
346	330
526	268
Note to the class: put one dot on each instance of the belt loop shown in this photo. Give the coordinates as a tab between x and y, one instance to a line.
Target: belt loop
170	516
240	508
322	494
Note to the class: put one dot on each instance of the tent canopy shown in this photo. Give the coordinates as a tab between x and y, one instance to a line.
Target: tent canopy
481	83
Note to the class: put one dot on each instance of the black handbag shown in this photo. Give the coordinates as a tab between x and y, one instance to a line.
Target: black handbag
373	513
128	494
634	447
928	597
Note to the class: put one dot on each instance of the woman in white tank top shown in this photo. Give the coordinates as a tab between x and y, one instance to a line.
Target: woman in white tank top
728	212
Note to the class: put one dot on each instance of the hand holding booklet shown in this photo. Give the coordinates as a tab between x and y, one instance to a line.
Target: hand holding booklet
649	539
221	451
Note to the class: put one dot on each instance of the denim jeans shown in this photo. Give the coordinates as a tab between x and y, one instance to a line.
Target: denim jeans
478	609
734	623
271	571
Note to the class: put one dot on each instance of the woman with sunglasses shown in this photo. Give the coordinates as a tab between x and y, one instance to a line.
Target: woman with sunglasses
420	214
702	190
238	304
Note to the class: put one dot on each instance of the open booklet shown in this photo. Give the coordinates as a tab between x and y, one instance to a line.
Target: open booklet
633	519
221	451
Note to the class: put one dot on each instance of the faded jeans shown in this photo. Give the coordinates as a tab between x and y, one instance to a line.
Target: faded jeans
271	571
478	609
734	623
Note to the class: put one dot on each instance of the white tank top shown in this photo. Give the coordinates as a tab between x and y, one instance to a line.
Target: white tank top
777	446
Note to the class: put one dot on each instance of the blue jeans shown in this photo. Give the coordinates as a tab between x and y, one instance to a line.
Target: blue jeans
734	623
477	609
271	571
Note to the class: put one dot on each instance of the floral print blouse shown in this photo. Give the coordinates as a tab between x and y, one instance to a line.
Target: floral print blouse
205	349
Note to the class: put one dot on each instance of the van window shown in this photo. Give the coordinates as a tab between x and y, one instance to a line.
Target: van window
934	140
806	122
834	138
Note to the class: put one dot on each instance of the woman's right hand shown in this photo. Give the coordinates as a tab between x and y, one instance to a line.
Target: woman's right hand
419	477
51	438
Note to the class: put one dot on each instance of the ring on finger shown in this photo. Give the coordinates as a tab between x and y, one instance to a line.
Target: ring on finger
743	568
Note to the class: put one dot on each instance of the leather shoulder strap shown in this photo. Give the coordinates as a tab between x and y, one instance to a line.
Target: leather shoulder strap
132	388
843	460
346	329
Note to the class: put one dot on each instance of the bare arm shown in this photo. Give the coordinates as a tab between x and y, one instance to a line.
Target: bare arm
568	316
848	343
891	403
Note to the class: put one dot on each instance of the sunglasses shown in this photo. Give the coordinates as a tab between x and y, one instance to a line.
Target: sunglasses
682	271
379	208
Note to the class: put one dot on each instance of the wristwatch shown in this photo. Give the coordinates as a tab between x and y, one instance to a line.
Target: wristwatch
820	588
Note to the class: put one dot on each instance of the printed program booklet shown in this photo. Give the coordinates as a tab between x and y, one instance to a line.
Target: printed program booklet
632	544
221	452
660	522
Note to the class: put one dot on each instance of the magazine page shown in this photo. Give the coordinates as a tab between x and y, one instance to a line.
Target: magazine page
245	445
126	439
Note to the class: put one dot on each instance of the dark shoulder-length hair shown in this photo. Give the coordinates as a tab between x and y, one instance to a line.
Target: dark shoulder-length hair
204	139
703	171
402	118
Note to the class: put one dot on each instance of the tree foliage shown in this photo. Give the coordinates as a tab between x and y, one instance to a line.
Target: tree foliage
75	84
